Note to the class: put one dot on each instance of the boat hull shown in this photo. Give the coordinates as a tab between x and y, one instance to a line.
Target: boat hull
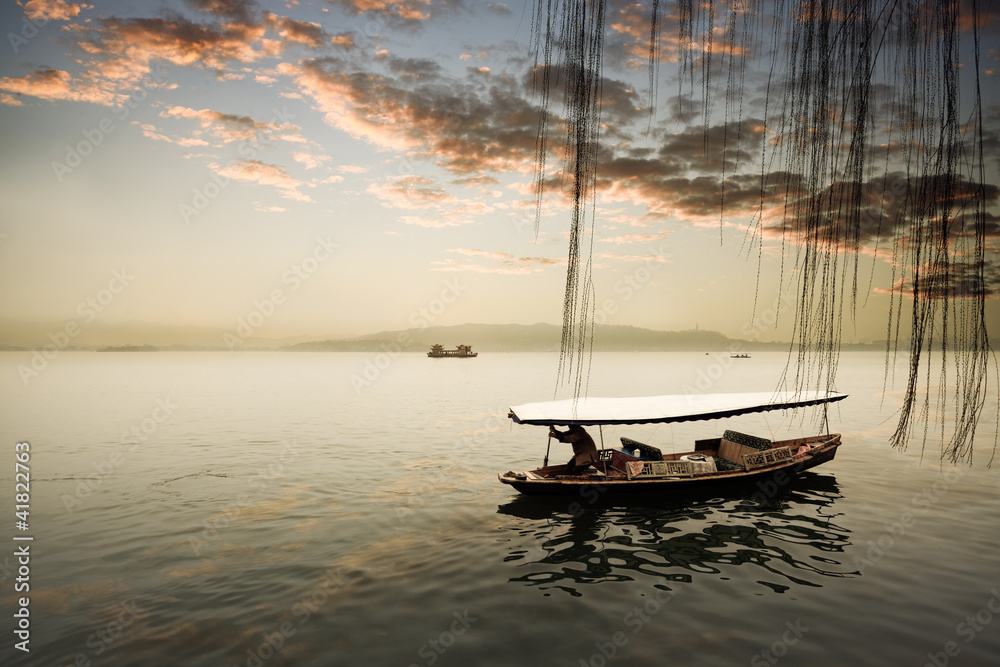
779	474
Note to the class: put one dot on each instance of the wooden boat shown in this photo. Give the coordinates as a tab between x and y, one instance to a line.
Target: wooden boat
460	351
735	458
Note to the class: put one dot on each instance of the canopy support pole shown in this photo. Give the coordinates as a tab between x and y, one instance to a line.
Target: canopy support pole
547	445
600	429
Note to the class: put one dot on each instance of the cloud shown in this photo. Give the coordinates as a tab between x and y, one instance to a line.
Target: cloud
300	32
53	84
310	160
481	181
499	8
466	127
884	208
241	10
412	192
263	208
255	171
401	12
430	223
418	193
497	262
352	169
229	128
650	258
150	132
182	42
52	10
635	238
952	280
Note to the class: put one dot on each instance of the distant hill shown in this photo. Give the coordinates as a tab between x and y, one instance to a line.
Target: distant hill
530	337
541	337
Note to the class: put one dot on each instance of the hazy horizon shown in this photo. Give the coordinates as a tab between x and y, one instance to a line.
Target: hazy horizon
54	335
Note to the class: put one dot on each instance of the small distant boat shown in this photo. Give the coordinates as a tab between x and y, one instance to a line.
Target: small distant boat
638	467
739	356
460	351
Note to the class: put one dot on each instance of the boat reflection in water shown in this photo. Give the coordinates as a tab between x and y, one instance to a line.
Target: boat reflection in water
570	543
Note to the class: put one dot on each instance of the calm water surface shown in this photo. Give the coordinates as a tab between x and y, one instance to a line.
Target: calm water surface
259	509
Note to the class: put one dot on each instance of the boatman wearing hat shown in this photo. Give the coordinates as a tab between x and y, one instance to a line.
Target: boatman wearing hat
584	449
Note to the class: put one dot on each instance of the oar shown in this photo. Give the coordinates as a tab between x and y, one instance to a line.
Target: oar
548	444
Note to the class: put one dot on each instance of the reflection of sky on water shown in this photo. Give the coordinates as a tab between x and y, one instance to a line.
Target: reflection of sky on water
790	540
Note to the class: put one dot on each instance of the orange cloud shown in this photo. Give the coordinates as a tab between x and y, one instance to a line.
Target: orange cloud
229	127
408	10
301	32
412	192
52	10
255	171
53	84
635	238
182	42
150	132
502	262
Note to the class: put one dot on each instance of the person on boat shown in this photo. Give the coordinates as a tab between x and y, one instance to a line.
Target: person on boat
584	448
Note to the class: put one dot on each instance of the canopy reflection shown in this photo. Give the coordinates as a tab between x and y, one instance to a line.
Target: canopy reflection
791	539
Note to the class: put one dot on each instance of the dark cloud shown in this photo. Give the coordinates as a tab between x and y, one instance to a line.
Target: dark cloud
241	10
498	8
400	13
181	42
621	106
466	127
950	280
418	68
301	32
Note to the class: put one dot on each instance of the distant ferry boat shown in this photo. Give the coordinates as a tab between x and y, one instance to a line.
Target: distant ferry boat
464	351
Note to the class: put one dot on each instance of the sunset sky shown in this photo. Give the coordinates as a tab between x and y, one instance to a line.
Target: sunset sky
188	161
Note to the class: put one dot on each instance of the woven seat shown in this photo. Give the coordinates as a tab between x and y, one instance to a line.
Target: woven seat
747	440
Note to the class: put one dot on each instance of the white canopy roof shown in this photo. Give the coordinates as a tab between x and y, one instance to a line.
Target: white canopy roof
662	409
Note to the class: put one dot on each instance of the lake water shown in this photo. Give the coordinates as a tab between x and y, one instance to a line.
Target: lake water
260	509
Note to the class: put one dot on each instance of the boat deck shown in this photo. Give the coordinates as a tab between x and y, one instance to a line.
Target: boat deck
713	461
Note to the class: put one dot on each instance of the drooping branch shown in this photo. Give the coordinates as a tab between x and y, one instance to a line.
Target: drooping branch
569	50
865	117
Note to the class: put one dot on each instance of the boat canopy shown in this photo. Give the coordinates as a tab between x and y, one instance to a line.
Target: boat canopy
662	409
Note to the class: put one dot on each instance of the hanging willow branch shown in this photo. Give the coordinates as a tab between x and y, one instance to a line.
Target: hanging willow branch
576	31
838	72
